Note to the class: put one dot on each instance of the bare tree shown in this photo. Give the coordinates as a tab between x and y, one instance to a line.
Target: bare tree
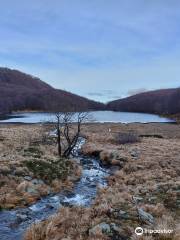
68	129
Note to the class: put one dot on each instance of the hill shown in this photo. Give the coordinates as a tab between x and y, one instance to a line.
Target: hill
20	91
164	101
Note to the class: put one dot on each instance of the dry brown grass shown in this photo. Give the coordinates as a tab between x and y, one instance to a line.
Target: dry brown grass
126	137
152	175
22	144
68	223
148	178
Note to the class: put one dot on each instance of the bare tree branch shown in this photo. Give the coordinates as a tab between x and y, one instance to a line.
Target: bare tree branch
68	129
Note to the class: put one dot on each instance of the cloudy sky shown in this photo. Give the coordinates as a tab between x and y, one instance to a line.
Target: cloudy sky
101	49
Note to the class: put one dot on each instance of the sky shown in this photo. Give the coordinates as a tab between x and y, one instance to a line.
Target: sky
100	49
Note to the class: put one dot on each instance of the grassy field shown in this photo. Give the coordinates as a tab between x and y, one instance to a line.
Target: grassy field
143	191
30	167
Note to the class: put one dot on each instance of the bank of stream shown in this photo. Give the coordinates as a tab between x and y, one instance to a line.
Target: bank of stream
13	223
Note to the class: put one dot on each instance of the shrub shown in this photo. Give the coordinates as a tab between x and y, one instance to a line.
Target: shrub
49	170
32	151
5	170
126	137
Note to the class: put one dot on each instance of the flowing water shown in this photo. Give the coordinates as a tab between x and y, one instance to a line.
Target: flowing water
13	223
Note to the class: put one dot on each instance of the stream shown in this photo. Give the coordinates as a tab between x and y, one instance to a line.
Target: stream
13	223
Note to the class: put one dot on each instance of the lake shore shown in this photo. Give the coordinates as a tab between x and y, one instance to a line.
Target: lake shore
143	191
93	116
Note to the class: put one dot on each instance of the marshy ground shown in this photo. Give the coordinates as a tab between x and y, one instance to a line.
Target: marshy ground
144	189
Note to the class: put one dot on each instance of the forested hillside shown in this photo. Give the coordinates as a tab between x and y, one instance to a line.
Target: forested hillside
165	101
20	91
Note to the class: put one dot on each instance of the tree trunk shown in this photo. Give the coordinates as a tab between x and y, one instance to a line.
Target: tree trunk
59	138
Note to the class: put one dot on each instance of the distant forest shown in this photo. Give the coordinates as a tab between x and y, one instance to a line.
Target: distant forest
21	92
165	101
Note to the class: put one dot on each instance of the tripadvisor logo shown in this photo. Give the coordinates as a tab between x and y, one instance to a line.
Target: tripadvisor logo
140	231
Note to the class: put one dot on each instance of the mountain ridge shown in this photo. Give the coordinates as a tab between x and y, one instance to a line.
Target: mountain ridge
20	91
162	101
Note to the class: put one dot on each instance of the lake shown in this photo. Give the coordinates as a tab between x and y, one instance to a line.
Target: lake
97	116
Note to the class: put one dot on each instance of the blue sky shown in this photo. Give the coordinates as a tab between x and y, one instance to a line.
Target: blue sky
101	49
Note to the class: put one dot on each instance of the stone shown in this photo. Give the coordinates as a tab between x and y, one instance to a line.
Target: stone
121	214
22	217
67	204
54	205
135	153
5	170
49	206
27	178
145	217
113	158
19	219
103	227
28	187
32	190
152	199
37	182
23	211
137	199
114	227
113	169
140	167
